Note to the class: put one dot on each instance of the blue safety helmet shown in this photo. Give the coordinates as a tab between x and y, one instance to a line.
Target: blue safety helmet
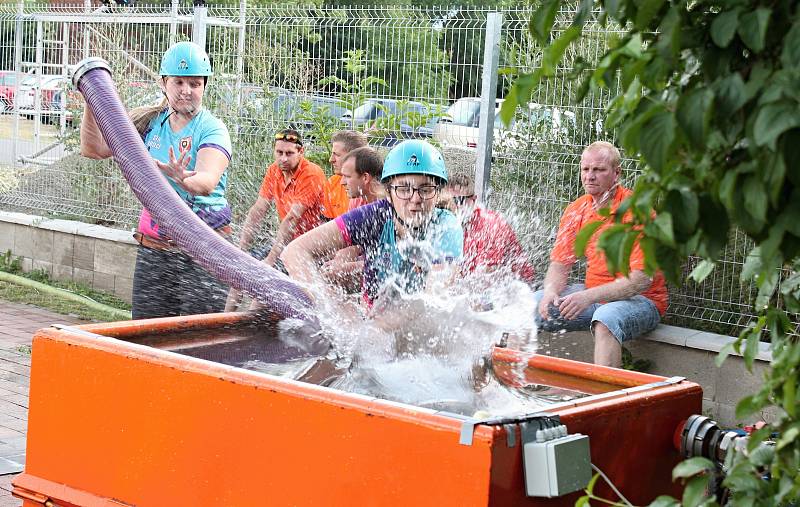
414	157
185	59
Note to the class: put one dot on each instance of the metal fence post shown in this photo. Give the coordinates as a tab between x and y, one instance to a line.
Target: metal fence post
18	71
491	59
87	8
240	59
199	23
173	25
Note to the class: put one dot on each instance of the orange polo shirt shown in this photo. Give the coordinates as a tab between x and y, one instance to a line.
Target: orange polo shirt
335	200
306	187
582	212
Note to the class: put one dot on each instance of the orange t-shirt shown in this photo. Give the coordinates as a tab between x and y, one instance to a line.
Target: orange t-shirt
335	200
582	212
306	187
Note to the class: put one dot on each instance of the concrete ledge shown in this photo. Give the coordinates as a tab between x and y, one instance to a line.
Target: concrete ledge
68	227
101	257
701	340
677	351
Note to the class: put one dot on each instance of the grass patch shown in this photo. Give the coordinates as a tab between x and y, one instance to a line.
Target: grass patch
17	294
25	129
28	295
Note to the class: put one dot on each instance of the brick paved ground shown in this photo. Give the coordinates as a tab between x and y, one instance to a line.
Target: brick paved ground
18	322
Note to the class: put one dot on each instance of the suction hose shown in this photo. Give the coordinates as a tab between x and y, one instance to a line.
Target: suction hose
92	77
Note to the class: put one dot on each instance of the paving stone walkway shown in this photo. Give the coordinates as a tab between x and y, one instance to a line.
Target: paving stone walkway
18	322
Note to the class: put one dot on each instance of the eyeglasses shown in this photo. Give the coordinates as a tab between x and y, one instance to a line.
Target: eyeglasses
406	192
461	199
289	136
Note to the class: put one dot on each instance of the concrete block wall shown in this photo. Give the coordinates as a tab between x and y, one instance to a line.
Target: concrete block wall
100	257
678	351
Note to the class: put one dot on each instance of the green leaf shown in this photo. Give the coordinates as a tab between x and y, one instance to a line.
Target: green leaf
723	28
664	501
611	243
555	52
648	247
695	491
752	264
756	200
790	395
624	260
753	28
584	235
788	437
583	13
655	139
774	119
762	455
751	350
542	20
730	95
747	406
613	8
647	10
715	225
791	47
724	352
592	482
684	207
661	228
702	270
692	467
669	39
694	115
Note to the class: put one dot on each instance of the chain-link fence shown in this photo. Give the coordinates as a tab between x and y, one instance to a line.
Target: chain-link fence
392	72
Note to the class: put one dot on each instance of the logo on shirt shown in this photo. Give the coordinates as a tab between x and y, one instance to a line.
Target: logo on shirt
185	143
413	161
154	142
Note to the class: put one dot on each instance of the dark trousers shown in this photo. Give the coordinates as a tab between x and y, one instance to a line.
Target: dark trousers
168	283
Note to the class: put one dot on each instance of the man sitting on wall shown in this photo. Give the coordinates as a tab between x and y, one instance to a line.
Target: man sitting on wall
614	307
296	186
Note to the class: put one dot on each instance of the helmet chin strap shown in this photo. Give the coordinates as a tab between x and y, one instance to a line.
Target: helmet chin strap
416	231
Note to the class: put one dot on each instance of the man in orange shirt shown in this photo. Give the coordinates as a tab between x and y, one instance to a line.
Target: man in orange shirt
296	186
361	177
336	200
616	308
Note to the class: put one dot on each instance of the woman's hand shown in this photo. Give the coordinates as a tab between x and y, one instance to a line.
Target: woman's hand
176	169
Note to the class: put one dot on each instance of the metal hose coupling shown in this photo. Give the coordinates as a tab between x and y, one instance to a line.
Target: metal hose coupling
85	65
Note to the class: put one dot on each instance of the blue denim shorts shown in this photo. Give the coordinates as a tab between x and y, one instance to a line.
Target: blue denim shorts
626	319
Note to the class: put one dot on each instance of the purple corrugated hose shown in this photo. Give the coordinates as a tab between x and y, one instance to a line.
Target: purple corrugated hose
219	257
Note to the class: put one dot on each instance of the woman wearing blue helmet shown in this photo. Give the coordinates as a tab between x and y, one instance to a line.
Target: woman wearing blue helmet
193	149
402	236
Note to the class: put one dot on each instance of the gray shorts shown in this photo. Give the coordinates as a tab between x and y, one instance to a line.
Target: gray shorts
626	319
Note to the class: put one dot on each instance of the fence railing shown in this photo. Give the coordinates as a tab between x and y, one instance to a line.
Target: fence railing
391	71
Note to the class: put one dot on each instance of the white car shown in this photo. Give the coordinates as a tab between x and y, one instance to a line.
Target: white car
540	124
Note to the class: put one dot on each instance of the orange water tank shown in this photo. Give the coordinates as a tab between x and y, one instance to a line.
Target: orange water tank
122	414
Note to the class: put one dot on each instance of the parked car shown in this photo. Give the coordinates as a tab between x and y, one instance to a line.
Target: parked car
52	88
394	119
8	81
460	126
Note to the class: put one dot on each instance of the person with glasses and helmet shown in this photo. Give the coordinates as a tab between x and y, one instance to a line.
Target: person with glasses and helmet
193	149
403	236
296	185
490	244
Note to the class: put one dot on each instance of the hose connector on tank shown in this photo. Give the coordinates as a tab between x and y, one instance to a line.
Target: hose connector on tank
87	64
